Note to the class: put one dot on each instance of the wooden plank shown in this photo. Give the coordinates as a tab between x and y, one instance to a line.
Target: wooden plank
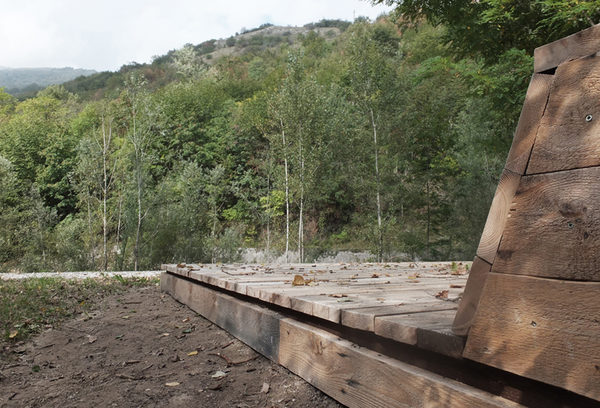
427	330
254	325
565	138
470	299
545	329
363	318
553	229
358	377
494	225
581	44
529	122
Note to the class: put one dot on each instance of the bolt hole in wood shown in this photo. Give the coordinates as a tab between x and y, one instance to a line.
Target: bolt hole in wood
589	118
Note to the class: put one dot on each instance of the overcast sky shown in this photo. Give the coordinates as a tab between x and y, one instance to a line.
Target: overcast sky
105	34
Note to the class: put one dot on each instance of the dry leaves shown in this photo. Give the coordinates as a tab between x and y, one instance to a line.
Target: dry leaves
442	294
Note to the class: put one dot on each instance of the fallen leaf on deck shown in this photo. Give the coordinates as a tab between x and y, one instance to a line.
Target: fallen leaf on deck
442	294
338	295
192	353
456	286
298	281
172	384
219	374
375	275
265	388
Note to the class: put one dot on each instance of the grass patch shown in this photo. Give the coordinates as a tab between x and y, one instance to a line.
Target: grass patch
28	306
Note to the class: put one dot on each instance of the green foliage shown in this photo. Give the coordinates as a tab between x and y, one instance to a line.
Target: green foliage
376	123
489	28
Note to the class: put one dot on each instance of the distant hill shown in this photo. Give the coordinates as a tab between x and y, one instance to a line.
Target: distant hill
23	80
160	71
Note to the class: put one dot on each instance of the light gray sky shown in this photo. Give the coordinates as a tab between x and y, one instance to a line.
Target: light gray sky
105	34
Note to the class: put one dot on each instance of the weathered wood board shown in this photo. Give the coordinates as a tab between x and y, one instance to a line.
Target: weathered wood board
554	229
494	225
581	44
468	304
254	325
427	330
353	375
569	133
545	329
529	122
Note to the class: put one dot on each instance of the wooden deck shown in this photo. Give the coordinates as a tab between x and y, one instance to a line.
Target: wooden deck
412	303
368	335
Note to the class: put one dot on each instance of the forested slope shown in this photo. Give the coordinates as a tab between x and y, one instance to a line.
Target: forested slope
380	137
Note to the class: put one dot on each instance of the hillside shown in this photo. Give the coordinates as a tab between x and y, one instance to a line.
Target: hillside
19	80
249	42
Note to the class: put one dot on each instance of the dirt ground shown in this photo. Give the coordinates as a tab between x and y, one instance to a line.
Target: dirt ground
144	349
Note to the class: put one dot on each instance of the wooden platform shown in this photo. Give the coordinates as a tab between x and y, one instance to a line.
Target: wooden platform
407	302
369	335
394	301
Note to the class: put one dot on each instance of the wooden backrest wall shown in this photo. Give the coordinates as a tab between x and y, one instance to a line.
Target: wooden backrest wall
532	301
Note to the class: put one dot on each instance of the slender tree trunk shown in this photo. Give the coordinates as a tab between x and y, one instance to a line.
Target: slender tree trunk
301	216
106	140
269	209
287	195
138	145
91	233
377	190
428	220
213	234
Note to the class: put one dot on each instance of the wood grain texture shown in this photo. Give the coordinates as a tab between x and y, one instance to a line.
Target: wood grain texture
494	225
470	299
427	330
529	122
575	46
544	329
553	229
565	139
363	318
254	325
358	377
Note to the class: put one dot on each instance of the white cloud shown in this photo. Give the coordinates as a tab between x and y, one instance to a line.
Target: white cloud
107	34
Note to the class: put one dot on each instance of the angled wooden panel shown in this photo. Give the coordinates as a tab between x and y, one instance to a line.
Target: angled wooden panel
554	227
569	134
358	377
544	329
581	44
529	122
494	225
470	299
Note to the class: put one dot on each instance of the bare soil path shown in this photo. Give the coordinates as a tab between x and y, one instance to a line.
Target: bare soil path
143	349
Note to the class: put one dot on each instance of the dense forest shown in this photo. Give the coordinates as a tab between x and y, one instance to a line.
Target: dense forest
386	136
